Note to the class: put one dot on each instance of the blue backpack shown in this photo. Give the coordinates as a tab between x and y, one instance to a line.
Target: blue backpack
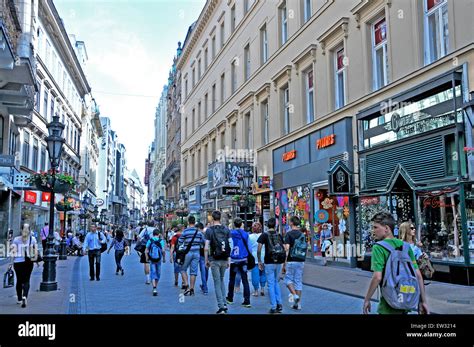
155	251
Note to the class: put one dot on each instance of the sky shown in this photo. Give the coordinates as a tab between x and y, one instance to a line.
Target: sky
130	46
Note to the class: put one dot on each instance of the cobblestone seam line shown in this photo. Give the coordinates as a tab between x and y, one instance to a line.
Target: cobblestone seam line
75	307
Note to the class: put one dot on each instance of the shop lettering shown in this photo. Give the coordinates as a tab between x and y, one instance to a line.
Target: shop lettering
326	141
435	203
289	155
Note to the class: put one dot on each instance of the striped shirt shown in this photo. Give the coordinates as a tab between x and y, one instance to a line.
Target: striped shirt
187	236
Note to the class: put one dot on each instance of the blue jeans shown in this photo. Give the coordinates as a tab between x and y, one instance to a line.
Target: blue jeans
204	274
259	279
155	271
191	260
273	273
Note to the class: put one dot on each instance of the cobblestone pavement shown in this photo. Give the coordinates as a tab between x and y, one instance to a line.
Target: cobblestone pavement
129	294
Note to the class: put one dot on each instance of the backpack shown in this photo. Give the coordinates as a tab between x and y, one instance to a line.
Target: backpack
220	246
399	286
276	250
298	251
154	251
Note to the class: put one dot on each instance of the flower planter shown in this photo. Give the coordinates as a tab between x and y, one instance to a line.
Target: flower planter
63	208
59	186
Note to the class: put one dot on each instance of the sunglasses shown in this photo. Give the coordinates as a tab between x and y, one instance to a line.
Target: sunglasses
412	228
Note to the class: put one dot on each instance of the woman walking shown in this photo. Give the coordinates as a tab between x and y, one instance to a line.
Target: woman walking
407	234
259	279
24	251
120	245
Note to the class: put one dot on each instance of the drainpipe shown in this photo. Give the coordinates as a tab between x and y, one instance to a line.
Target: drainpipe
24	40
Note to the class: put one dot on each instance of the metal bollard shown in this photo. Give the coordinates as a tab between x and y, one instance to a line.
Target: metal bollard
62	250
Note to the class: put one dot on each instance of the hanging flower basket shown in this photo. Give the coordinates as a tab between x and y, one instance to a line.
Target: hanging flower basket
244	201
43	181
65	205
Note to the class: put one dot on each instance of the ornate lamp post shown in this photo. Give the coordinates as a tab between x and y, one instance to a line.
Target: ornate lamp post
55	143
245	181
86	201
96	214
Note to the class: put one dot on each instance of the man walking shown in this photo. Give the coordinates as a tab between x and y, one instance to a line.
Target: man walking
238	263
202	261
173	248
274	258
192	238
217	257
145	235
295	247
92	245
44	236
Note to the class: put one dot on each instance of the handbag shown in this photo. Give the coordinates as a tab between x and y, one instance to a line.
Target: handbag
425	266
103	246
9	278
250	258
181	254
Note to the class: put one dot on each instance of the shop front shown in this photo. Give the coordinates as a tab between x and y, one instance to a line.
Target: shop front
262	190
301	187
412	163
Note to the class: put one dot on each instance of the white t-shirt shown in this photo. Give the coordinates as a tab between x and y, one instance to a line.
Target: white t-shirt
148	230
19	248
253	245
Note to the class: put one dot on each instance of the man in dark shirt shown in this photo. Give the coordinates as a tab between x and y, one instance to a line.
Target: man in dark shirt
272	268
293	267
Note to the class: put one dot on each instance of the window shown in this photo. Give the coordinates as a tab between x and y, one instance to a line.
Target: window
436	29
248	131
206	110
222	88
45	104
35	155
38	98
247	62
193	77
232	19
379	54
186	127
233	134
40	41
26	149
54	64
213	148
233	76
13	143
213	96
263	45
48	53
185	170
246	6
52	109
206	59
205	156
186	89
283	24
265	121
213	46
43	159
309	87
193	119
199	68
286	110
199	114
307	7
222	34
340	77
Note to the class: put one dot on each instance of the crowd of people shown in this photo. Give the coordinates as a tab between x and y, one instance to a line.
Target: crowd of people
256	258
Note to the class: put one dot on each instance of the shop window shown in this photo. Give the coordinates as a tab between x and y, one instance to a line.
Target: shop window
293	202
369	206
451	155
440	228
334	212
470	225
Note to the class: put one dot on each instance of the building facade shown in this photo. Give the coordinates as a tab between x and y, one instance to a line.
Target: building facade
298	81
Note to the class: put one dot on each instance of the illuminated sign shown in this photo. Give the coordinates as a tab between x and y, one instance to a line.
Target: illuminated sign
30	197
326	141
289	155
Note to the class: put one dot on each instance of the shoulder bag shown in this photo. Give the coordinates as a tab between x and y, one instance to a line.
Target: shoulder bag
250	258
181	254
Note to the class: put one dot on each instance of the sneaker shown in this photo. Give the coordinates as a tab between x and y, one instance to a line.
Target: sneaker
225	308
183	287
176	283
155	293
116	272
205	293
291	298
97	279
246	304
229	301
189	292
122	272
262	293
273	311
147	282
279	308
23	302
221	311
92	279
18	302
296	307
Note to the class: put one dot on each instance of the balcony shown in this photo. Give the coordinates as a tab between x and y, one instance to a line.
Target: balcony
171	172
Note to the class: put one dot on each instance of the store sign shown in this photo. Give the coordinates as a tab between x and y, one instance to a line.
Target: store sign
264	182
30	197
100	202
192	194
7	160
340	180
212	194
231	191
46	197
326	141
367	201
289	155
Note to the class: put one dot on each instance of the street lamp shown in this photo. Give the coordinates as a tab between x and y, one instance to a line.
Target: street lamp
86	201
245	181
55	143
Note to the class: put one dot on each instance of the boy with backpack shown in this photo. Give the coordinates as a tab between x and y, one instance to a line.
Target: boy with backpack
395	270
154	255
295	246
217	257
275	256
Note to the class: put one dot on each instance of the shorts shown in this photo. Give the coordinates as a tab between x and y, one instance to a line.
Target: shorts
192	259
177	267
143	259
155	271
294	274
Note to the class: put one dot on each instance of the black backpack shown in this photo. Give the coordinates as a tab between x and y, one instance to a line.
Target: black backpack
220	246
276	250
